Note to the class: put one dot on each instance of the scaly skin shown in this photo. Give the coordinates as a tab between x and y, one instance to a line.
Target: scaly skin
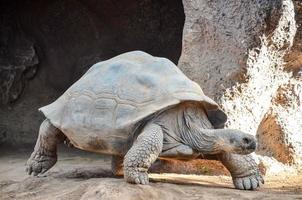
244	170
45	151
142	154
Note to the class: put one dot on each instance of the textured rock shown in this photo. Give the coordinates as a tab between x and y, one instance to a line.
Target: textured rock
18	58
217	36
283	124
20	66
236	51
250	100
294	58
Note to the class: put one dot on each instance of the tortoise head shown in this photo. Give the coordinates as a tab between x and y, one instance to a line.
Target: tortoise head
202	137
233	141
215	141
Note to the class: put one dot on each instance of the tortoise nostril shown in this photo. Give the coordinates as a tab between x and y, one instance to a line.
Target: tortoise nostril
252	146
246	140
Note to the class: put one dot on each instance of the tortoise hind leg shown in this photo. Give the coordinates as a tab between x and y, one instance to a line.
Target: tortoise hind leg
117	165
44	155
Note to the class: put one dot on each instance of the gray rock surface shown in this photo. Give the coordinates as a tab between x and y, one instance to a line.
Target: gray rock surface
217	37
18	58
236	51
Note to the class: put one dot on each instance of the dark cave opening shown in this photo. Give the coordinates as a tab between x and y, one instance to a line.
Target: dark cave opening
45	46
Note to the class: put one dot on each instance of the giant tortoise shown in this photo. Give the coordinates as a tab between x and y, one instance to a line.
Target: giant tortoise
139	108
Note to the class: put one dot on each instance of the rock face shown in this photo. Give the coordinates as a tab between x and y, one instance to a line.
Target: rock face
217	37
18	58
236	51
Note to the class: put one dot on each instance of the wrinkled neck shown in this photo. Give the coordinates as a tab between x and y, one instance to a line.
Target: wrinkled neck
197	132
188	124
201	140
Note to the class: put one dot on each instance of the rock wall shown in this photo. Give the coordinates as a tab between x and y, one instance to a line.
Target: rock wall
239	52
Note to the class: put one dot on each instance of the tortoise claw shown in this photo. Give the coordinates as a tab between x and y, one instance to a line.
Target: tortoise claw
251	182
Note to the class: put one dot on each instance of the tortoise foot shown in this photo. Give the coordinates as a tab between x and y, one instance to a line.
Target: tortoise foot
39	163
251	182
137	177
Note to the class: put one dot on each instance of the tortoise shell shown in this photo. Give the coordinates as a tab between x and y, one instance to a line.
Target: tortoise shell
101	109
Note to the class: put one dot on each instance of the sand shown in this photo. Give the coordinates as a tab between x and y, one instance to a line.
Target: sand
81	175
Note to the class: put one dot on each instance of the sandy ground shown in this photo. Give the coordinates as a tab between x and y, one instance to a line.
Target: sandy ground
81	175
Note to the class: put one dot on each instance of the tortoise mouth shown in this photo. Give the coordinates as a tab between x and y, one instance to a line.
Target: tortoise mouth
245	149
242	143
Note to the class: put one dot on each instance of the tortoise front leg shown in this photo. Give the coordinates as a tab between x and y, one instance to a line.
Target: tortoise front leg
142	154
244	170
